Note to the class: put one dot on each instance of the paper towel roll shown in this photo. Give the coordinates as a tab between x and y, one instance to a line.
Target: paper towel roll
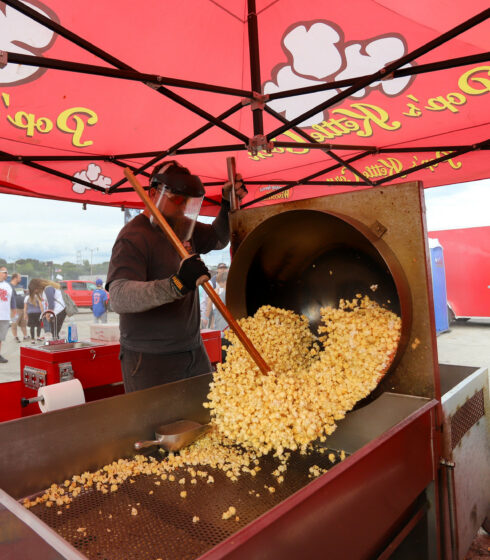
61	395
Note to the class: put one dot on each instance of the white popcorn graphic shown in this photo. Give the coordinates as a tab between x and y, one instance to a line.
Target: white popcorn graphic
20	34
294	106
314	52
379	53
317	54
92	175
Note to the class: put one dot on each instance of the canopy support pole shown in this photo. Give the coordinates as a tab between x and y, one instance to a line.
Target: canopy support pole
400	73
182	142
481	145
366	150
292	184
153	80
253	45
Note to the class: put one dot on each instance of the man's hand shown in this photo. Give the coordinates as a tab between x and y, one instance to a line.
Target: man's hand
191	270
240	189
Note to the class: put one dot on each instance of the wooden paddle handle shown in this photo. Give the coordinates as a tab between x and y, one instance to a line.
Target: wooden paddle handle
208	288
231	168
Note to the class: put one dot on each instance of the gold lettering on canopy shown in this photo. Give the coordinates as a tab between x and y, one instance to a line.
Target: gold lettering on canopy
472	84
74	115
72	121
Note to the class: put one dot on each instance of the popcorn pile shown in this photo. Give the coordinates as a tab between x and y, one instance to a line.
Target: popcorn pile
312	384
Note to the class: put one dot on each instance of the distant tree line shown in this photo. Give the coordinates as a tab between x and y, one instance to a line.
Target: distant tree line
49	269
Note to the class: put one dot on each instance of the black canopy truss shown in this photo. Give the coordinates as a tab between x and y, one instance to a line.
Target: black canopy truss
252	98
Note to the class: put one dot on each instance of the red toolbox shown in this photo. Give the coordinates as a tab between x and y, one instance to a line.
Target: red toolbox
95	364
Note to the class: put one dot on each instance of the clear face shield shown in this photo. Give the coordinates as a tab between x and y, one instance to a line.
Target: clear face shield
180	211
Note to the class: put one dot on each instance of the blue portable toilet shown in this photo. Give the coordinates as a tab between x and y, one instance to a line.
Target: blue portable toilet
439	285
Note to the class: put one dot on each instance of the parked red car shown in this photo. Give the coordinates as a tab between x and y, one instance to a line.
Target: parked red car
80	291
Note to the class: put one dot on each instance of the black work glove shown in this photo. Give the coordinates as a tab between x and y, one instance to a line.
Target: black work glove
191	269
240	189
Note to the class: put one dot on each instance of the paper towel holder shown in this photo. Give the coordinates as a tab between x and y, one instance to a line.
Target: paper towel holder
40	398
24	402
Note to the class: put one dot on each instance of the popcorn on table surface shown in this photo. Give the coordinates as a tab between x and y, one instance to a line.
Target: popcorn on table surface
312	384
230	512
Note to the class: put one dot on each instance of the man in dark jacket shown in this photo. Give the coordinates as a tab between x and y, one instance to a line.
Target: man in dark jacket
20	319
154	292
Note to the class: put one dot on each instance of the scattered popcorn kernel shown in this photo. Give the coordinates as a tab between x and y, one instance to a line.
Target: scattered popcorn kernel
230	512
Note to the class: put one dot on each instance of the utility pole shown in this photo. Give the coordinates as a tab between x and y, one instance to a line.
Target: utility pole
14	264
92	251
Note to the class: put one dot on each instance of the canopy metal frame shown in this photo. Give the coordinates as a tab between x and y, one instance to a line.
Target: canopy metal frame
253	99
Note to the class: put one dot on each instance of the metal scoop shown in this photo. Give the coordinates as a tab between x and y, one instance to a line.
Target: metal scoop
176	435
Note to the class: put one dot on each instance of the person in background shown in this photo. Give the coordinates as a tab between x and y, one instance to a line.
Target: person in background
154	291
32	311
100	302
208	310
203	305
19	319
218	321
214	317
52	300
6	310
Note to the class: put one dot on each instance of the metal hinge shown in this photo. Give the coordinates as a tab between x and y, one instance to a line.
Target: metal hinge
66	371
378	229
257	101
259	143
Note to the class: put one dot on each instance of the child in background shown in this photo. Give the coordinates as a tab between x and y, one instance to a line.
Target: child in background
100	302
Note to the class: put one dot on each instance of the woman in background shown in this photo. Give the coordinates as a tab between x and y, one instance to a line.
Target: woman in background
52	300
32	312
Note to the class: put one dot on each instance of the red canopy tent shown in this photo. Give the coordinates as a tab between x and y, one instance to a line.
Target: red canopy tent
322	97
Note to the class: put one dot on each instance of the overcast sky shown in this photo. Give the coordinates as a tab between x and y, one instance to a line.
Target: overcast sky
49	230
